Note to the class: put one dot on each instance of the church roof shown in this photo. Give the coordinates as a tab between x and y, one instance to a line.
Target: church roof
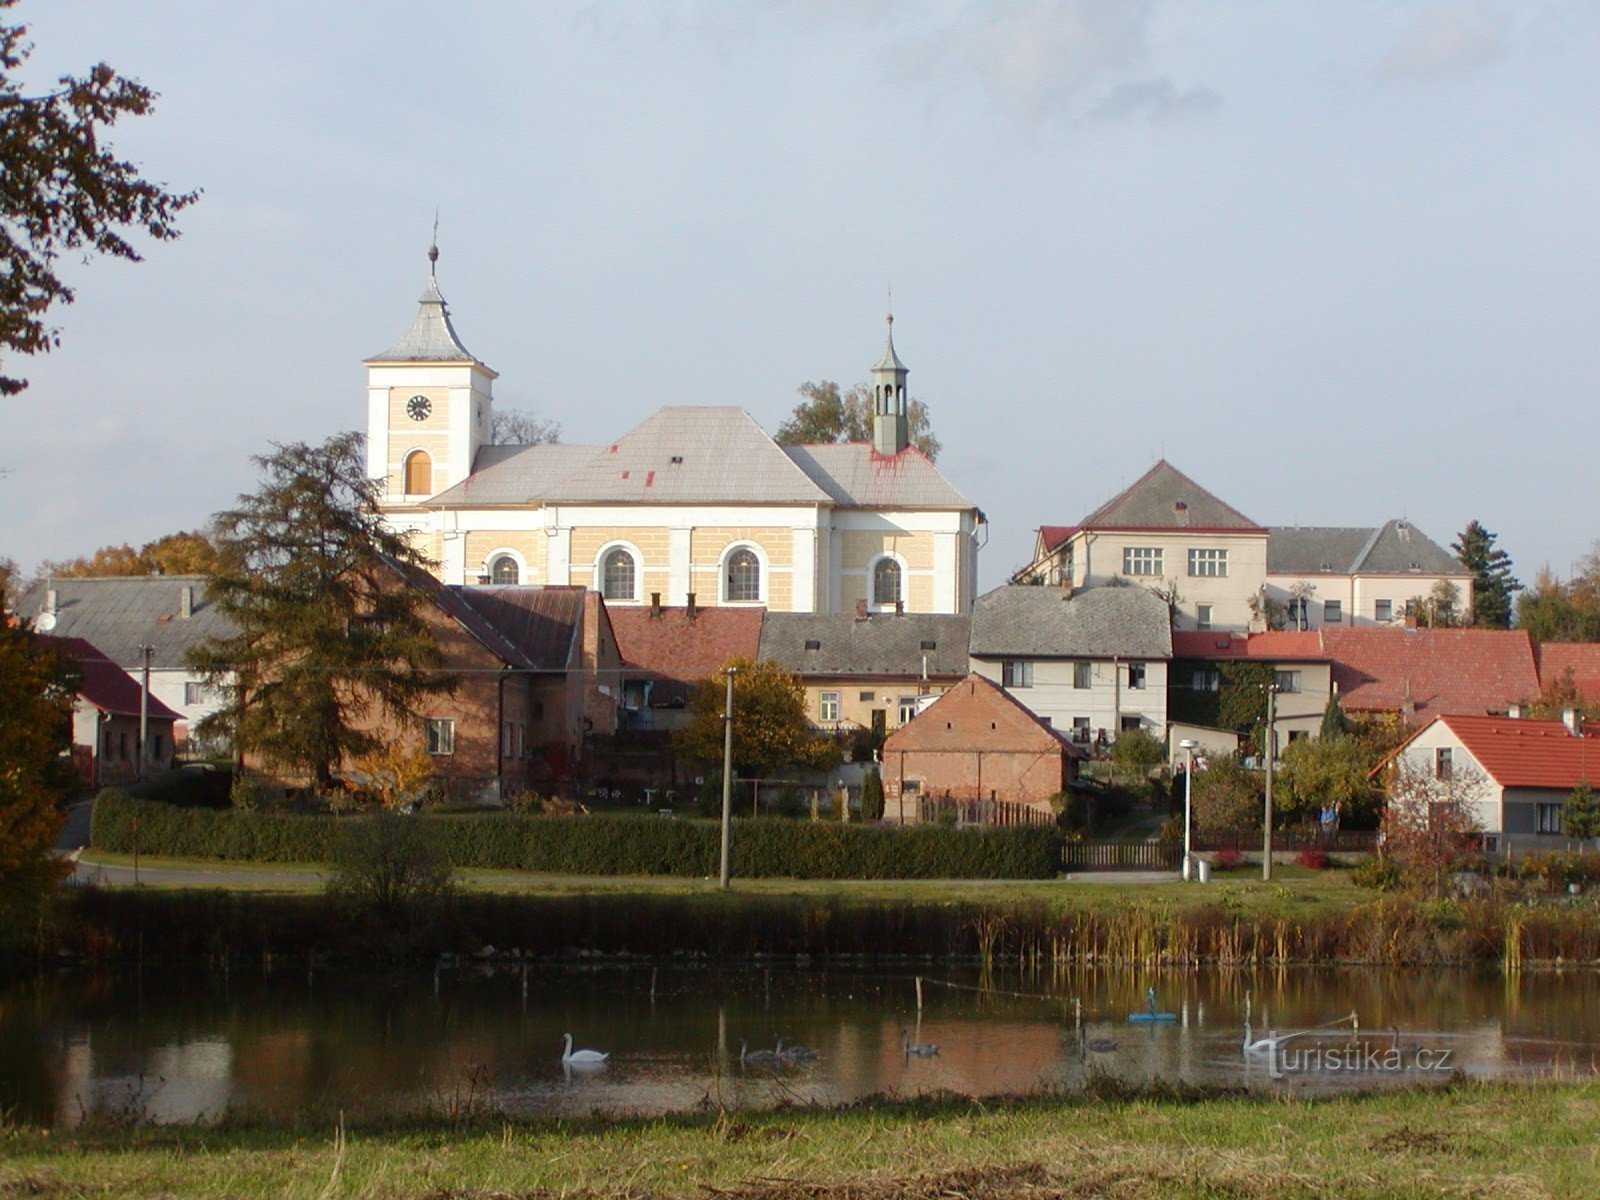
431	338
1395	547
514	474
855	475
1165	498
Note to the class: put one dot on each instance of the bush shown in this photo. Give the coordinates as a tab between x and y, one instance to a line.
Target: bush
1312	859
601	844
1227	860
1555	870
1379	872
387	865
1137	748
872	796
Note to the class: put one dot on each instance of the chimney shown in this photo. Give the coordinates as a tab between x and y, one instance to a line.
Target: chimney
1514	712
655	606
862	611
1573	720
899	608
186	601
689	608
50	600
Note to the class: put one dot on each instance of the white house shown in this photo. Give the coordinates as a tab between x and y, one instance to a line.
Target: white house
1360	576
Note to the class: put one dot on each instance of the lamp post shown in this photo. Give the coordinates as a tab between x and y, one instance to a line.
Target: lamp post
1187	745
727	780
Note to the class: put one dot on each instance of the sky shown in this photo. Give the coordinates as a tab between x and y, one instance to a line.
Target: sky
1337	260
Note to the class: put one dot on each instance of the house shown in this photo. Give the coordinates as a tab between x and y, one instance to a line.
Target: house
1360	577
1570	664
106	719
1093	664
1301	671
1420	674
869	670
978	748
1516	773
171	614
694	501
666	651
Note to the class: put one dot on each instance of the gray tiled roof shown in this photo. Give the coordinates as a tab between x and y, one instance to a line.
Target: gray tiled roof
120	614
514	474
1021	621
431	338
854	475
1165	498
883	644
1395	547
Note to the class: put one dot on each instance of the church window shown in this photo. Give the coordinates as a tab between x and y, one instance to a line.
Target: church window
419	474
618	573
742	576
886	583
504	570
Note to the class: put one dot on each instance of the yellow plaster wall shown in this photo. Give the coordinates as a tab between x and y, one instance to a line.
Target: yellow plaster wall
533	545
858	548
406	435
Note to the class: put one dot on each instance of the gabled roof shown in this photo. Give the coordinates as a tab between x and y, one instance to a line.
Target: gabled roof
542	624
1165	498
1007	725
711	455
119	614
885	644
855	475
431	338
677	652
104	684
1272	646
1052	536
1023	621
1555	659
513	475
1519	753
1433	671
1393	548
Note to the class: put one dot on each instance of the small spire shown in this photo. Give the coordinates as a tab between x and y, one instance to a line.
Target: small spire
433	248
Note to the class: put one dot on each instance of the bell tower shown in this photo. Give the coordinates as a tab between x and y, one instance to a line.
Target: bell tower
890	425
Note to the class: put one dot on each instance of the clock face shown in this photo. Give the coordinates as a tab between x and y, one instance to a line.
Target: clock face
418	408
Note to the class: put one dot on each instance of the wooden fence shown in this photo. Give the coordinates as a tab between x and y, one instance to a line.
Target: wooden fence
1248	841
981	812
1120	856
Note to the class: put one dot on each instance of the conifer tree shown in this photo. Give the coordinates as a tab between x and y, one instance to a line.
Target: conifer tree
1334	723
1493	585
1581	816
328	611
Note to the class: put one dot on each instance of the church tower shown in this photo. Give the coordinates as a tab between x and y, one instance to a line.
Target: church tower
890	425
429	404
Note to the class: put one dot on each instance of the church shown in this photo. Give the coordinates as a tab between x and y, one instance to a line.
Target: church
694	506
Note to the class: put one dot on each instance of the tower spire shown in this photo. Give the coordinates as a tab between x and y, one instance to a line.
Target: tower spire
433	249
890	425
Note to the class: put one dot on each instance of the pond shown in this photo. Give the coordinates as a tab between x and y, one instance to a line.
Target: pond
190	1045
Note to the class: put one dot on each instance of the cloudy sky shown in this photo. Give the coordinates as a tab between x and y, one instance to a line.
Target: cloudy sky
1336	259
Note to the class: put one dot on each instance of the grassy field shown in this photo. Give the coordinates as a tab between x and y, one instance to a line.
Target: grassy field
1466	1141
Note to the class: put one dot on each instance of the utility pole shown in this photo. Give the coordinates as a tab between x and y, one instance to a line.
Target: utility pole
727	781
1187	745
144	711
1266	832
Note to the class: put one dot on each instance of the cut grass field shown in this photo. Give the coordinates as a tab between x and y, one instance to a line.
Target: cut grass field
1467	1140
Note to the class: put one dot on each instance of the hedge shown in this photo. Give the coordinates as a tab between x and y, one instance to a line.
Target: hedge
599	844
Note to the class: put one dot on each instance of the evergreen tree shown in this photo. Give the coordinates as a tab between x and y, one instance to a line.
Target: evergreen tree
1493	585
328	615
1334	723
872	796
1581	818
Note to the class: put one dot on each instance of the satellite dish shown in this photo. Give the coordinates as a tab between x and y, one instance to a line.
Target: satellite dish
46	622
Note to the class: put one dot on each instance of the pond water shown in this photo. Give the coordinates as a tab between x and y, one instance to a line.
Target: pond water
186	1045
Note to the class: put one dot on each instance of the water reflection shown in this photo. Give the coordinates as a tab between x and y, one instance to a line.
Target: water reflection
171	1046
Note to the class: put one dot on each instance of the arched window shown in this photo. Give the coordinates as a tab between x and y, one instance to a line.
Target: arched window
618	573
419	474
504	569
742	576
886	589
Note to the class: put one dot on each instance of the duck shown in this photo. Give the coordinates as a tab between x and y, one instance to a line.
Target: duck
916	1049
1100	1045
580	1058
758	1058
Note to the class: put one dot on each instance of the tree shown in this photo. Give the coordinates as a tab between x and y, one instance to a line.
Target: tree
36	696
872	796
65	190
1227	796
1552	611
1493	584
1430	825
328	618
770	729
512	427
181	553
1581	817
10	580
826	415
1334	722
1323	772
387	864
1560	694
1137	748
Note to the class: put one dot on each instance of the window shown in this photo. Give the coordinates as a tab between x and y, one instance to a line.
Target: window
1141	560
618	575
1080	730
1082	675
1202	616
1287	681
1206	679
1132	724
1332	612
908	709
108	752
1297	612
1549	817
418	474
1015	673
1443	763
1136	676
1297	735
194	693
828	707
159	752
441	735
867	697
1383	610
886	583
504	570
1209	563
742	577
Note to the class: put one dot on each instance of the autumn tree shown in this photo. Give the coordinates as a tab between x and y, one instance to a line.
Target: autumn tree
771	732
1493	584
1430	826
825	414
36	696
514	427
181	553
1227	796
1561	693
1556	611
328	616
65	190
1322	772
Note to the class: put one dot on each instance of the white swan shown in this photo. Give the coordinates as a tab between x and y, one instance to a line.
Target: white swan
580	1058
916	1049
1268	1044
758	1058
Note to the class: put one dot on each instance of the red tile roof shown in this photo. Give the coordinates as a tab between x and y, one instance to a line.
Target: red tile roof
1436	671
1581	658
675	649
1260	647
1530	754
1051	536
1012	719
105	685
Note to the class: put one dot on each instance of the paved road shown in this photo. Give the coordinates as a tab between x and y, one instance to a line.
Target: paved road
104	876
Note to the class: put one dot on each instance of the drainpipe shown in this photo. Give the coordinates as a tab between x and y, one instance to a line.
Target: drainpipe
1116	697
500	730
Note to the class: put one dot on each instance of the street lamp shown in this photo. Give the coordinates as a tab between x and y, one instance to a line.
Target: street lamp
1187	745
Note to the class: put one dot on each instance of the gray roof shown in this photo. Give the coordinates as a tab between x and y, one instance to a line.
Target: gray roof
431	337
119	614
890	360
854	475
1021	621
1165	498
883	644
1393	548
514	474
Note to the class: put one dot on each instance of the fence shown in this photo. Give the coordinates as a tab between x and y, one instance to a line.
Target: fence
981	812
1120	856
1338	841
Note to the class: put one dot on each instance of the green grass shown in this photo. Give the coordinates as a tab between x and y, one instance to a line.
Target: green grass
1472	1141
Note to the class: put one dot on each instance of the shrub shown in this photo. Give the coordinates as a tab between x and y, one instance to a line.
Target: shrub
872	796
1227	860
1312	859
387	864
1555	870
1137	748
1379	872
250	793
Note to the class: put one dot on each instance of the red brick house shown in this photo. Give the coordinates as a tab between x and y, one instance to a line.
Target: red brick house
979	747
